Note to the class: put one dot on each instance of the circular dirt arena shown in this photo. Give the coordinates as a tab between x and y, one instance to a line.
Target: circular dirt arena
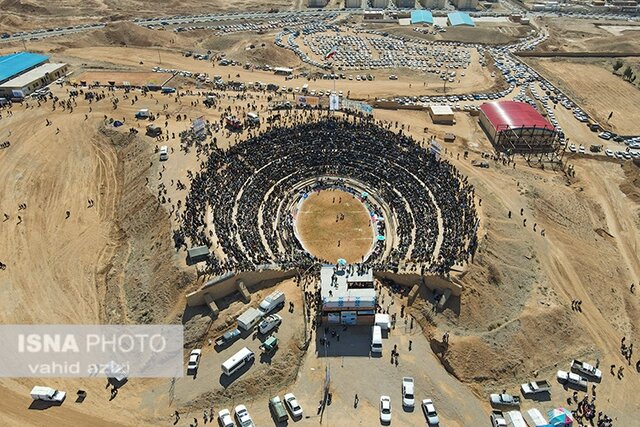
333	224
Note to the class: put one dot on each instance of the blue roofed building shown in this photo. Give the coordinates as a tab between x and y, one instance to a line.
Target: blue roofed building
17	63
421	17
22	73
456	19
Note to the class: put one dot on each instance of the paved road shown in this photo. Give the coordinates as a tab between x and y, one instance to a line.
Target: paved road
252	16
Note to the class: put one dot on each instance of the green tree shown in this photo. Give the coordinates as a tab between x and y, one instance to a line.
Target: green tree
617	65
627	73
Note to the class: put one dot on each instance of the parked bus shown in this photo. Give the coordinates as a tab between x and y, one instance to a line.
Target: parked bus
237	361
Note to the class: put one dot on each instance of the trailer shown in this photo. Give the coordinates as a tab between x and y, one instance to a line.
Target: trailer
249	319
48	394
515	419
534	387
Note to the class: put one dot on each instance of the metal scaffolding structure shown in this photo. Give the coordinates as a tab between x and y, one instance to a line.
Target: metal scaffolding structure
537	145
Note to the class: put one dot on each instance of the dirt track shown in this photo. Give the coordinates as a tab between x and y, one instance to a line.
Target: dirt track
320	225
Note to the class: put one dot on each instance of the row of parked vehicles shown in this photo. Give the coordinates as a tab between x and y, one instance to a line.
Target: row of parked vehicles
577	377
408	402
280	411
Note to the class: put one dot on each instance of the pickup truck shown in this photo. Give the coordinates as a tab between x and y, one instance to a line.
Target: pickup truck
504	399
570	378
497	419
227	338
534	387
586	369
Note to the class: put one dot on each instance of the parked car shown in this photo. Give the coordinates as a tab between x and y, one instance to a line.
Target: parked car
194	360
504	399
569	378
430	412
292	404
385	409
497	419
534	387
243	417
224	418
408	399
269	323
278	410
586	369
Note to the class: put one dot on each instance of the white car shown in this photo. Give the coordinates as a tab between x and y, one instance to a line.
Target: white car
408	399
194	360
581	149
608	152
572	148
385	409
224	418
293	405
430	412
243	417
393	77
270	322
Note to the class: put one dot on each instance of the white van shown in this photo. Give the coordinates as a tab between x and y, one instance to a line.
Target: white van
376	339
237	361
305	88
164	153
271	302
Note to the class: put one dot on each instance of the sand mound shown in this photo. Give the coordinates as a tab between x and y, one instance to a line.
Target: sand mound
23	6
631	186
124	34
141	278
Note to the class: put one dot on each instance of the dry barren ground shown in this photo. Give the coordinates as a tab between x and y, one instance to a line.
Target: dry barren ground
596	89
332	216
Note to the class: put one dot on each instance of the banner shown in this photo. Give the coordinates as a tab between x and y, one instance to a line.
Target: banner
435	149
334	102
359	106
198	125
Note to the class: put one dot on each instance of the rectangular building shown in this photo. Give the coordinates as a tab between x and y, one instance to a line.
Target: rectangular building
353	3
19	63
30	81
433	4
405	4
441	114
465	4
456	19
348	295
379	4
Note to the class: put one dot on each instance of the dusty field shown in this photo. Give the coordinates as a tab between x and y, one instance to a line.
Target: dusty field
597	90
484	32
133	79
333	216
581	35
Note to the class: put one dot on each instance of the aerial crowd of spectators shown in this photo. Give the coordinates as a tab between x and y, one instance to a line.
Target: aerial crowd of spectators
250	188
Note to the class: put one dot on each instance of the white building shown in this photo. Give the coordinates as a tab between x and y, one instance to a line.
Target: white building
32	80
348	295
